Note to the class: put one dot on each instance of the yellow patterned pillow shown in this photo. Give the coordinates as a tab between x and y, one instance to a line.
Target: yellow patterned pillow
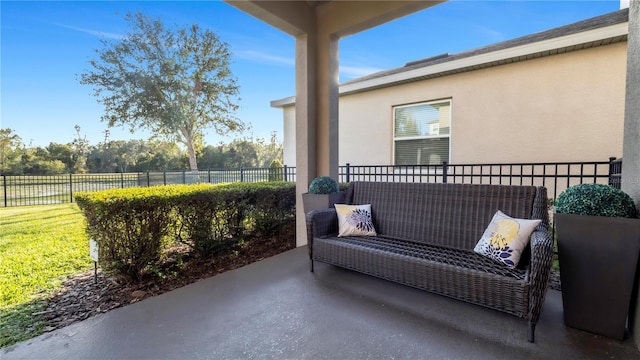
355	220
505	239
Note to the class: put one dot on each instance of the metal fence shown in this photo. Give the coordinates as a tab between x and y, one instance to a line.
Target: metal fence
57	189
213	176
43	190
40	190
554	176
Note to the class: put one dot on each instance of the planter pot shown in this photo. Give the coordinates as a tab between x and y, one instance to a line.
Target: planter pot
312	202
598	261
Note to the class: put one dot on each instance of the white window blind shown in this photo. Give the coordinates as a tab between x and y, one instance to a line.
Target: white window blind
421	133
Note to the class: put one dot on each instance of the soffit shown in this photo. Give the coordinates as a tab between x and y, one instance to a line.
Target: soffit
336	17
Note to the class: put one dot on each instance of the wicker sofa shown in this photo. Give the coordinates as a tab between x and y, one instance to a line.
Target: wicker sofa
426	234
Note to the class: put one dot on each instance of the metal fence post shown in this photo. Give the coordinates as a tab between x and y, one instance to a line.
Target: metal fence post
148	180
445	170
164	177
70	187
614	172
209	176
241	174
4	185
122	180
348	171
285	174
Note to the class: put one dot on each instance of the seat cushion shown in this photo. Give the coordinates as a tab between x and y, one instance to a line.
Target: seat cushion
461	274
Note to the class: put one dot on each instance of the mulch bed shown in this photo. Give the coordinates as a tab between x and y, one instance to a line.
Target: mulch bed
81	297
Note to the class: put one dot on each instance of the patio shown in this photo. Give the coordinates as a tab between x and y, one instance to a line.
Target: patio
277	309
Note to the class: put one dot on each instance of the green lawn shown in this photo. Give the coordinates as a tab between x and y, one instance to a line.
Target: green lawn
39	247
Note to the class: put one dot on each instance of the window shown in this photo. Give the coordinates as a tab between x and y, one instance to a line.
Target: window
421	133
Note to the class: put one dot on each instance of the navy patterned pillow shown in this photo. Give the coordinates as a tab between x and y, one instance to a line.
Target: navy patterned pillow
355	220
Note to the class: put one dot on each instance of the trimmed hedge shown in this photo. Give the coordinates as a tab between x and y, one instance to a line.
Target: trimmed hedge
133	226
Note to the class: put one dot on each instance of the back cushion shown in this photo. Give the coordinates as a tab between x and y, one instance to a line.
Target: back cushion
452	215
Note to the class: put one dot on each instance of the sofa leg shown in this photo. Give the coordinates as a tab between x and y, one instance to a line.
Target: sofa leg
311	265
531	333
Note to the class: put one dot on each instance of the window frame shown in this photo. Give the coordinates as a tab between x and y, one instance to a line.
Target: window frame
421	137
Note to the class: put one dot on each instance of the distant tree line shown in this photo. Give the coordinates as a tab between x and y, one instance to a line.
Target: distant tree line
118	156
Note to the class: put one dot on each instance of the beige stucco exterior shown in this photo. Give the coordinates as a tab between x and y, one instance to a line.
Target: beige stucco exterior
565	107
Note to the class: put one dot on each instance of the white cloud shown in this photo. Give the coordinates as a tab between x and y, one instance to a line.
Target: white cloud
490	34
263	57
351	72
93	32
346	71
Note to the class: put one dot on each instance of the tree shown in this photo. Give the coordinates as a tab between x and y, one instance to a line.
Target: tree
58	152
80	146
174	81
10	153
268	152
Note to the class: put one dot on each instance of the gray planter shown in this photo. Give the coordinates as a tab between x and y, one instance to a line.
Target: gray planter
598	262
320	201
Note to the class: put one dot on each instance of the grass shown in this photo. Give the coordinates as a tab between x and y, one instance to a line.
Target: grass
39	247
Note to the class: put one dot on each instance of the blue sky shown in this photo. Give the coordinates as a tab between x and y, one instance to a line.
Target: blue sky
45	45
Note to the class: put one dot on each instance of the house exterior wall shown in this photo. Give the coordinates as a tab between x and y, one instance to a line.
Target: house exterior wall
289	134
566	107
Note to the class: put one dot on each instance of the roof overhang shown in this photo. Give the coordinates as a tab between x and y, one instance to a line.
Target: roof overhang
563	44
338	17
573	42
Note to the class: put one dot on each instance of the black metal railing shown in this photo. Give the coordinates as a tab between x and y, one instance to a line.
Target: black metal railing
554	176
41	190
57	189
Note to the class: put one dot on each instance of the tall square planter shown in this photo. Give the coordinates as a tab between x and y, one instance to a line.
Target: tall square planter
598	268
312	202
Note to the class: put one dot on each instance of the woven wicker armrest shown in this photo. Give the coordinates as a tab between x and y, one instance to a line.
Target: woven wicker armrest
540	269
320	223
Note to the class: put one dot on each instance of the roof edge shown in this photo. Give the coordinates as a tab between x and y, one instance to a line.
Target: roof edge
592	35
284	102
558	43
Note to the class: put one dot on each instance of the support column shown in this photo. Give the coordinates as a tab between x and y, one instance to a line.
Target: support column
327	127
631	147
306	105
316	115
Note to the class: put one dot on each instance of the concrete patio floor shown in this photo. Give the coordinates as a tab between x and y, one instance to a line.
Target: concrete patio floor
277	309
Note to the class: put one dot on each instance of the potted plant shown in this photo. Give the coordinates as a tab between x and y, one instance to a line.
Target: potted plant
598	246
323	193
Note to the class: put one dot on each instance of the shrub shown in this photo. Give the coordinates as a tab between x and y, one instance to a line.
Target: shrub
323	185
276	171
131	226
203	221
595	200
274	207
134	226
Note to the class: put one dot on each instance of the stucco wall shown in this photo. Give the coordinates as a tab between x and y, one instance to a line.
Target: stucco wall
289	134
567	107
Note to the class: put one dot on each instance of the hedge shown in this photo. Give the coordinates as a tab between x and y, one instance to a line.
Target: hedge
133	226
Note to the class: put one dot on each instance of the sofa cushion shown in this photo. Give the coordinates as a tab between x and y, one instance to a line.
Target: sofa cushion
451	272
505	238
355	220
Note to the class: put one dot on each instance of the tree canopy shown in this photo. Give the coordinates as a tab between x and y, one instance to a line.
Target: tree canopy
175	81
111	156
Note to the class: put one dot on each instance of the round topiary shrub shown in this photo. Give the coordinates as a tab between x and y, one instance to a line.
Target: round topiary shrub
323	185
596	200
